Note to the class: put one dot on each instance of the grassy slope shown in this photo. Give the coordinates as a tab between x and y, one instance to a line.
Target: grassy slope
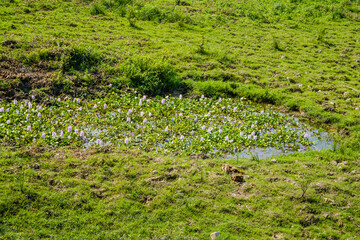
126	194
305	53
300	55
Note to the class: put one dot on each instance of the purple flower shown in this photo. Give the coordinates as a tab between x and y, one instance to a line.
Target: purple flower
2	109
129	112
135	91
235	108
69	128
306	135
223	108
98	141
141	114
180	96
241	133
21	107
144	97
249	137
43	135
80	108
30	105
219	100
220	131
61	133
140	103
209	131
181	137
69	137
119	111
128	119
201	139
202	96
78	100
180	114
126	140
8	109
203	127
255	137
262	112
39	115
34	140
59	99
27	117
82	134
227	138
148	100
32	97
17	111
256	122
253	133
105	105
8	121
163	101
110	85
28	128
166	129
95	106
53	134
195	119
192	133
150	114
252	125
15	101
145	120
76	130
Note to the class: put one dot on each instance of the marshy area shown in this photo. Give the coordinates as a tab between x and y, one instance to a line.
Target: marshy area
168	125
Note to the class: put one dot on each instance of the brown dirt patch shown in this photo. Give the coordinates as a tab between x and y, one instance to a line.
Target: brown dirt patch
18	79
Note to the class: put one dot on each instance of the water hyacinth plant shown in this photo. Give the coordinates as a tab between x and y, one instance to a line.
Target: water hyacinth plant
189	126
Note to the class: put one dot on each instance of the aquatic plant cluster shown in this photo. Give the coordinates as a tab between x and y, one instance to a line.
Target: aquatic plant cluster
169	124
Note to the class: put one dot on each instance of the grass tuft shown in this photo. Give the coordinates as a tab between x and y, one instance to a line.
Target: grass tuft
97	9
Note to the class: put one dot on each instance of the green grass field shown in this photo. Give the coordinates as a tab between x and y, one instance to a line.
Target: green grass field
300	57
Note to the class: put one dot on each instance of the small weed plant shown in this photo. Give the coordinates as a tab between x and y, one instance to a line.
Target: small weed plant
201	46
304	182
131	16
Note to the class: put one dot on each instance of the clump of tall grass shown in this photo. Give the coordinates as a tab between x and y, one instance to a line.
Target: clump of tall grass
148	76
276	44
80	58
97	9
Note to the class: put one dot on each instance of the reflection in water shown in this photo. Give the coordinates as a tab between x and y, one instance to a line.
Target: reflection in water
321	141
